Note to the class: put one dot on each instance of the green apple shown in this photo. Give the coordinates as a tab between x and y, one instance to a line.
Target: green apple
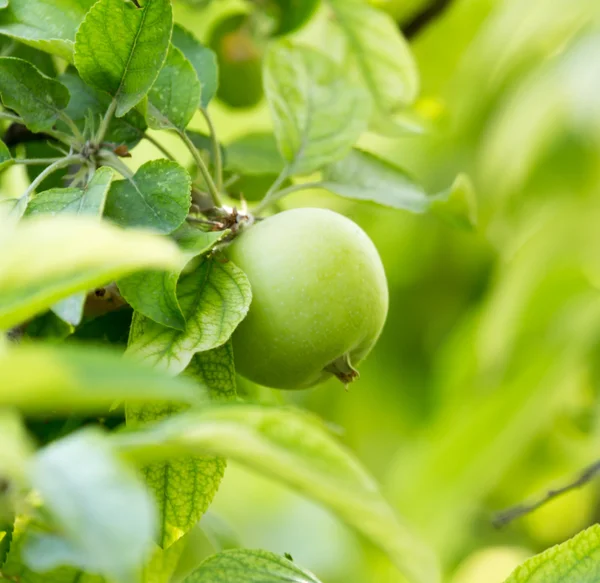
240	62
320	298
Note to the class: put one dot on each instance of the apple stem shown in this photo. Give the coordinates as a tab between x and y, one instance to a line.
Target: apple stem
342	368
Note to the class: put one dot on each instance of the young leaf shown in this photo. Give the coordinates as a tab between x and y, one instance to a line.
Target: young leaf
250	566
175	95
88	102
363	176
294	448
381	56
53	257
318	114
120	48
79	201
154	293
5	158
202	59
65	379
157	197
574	560
184	488
48	25
38	99
254	155
214	299
105	516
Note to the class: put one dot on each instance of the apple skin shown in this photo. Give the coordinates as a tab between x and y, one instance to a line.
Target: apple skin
320	298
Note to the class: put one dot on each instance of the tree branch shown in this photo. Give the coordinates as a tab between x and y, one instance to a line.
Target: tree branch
585	477
424	18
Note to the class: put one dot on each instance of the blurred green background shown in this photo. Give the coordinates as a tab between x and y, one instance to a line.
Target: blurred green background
483	388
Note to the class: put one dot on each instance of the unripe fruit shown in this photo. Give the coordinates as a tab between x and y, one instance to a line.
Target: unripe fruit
240	62
320	299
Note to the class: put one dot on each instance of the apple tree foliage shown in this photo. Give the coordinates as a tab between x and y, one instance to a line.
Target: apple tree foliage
116	435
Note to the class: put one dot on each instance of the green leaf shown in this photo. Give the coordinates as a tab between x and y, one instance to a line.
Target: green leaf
255	155
381	56
154	293
250	566
175	95
458	204
37	378
294	448
157	197
363	176
54	257
214	299
185	487
79	201
578	559
87	102
120	48
48	25
215	370
318	114
105	516
6	159
38	99
202	59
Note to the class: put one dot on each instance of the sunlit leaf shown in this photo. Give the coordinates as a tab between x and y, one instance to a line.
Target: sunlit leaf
318	113
48	25
381	56
38	99
156	197
105	515
184	488
363	176
66	379
214	299
120	48
53	257
577	559
295	449
249	565
457	204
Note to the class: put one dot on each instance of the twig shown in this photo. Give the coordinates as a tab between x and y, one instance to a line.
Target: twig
216	150
425	17
506	516
279	194
106	121
212	188
159	146
61	163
